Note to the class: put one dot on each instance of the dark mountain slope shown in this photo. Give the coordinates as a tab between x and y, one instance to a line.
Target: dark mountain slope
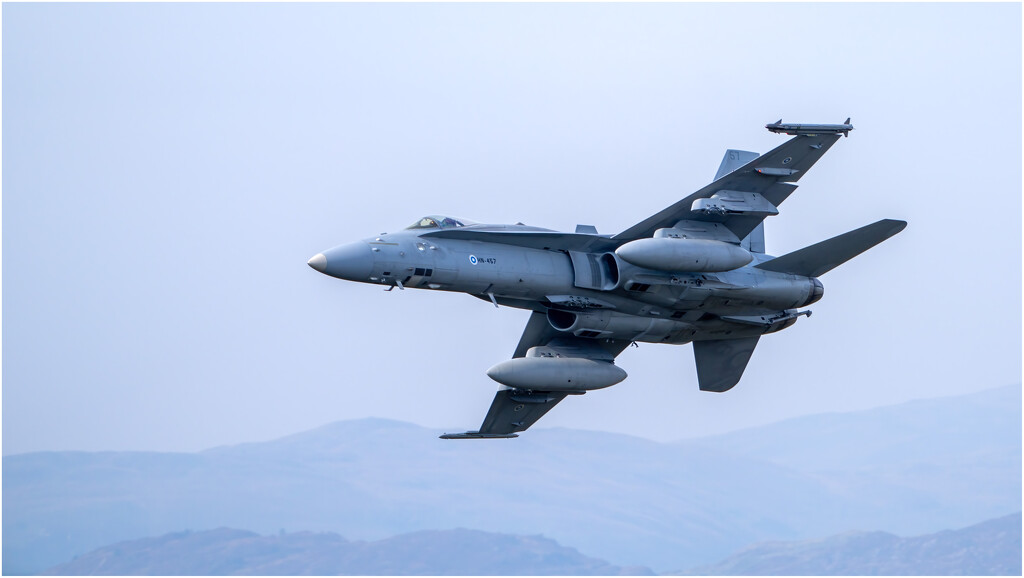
991	548
235	552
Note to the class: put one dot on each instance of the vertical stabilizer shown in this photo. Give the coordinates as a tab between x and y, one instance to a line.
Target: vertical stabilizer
720	363
733	160
754	242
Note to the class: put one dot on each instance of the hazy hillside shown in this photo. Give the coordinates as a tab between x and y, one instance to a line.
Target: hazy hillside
626	500
235	552
920	453
992	548
989	548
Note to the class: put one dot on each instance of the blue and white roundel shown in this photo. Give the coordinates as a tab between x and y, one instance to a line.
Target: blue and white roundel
472	259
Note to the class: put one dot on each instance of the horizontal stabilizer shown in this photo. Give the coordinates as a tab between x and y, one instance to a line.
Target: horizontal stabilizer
822	257
721	362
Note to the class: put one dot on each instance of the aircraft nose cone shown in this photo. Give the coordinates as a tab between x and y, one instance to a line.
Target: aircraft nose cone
318	262
353	262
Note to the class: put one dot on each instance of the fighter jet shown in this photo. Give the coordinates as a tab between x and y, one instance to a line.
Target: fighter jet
695	272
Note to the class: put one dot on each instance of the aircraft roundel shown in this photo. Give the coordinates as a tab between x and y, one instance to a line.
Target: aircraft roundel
472	259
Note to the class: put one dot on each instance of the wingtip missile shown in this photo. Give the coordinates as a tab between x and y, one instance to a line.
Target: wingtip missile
809	129
475	435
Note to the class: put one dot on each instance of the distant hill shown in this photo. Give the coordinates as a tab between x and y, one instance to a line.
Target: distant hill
235	552
992	548
917	455
909	469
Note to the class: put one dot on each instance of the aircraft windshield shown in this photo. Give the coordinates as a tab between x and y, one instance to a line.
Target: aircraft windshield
437	222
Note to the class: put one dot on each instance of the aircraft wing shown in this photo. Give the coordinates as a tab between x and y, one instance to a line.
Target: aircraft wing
511	411
553	241
770	175
515	410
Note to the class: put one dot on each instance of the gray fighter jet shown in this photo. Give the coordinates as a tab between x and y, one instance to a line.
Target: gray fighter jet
695	272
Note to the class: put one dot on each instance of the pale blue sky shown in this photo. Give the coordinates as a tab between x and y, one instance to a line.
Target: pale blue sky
168	169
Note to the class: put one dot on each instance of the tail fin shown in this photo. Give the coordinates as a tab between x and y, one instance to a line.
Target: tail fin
733	160
822	257
720	363
754	242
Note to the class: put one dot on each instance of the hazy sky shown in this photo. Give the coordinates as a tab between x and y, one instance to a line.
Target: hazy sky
169	168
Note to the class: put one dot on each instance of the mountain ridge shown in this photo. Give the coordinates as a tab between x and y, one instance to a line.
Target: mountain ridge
632	500
227	551
989	548
1008	391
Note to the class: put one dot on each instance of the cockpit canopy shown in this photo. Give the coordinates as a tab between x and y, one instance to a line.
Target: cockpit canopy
438	222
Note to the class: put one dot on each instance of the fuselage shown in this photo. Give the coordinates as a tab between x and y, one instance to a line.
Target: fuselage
592	295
